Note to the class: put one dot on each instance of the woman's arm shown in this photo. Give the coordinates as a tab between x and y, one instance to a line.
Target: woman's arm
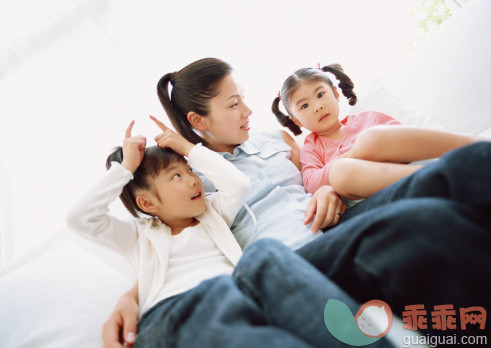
121	326
295	151
325	208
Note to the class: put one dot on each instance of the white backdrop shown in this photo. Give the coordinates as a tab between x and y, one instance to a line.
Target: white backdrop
70	84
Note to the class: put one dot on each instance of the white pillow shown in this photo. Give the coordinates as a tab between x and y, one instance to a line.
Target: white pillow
60	299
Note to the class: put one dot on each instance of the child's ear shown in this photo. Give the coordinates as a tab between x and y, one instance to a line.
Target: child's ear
197	121
146	204
336	93
297	122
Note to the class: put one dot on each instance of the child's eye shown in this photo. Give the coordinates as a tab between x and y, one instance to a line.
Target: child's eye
304	106
176	176
190	169
235	105
320	95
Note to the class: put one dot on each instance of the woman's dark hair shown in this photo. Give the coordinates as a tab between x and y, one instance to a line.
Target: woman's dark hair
154	161
192	88
308	74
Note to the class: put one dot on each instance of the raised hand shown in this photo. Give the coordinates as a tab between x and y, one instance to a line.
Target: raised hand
172	140
133	149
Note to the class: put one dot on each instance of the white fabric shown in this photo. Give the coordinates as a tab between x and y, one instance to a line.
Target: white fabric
146	241
193	258
58	299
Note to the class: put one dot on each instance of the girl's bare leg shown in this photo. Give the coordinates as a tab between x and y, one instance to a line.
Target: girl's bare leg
406	144
354	178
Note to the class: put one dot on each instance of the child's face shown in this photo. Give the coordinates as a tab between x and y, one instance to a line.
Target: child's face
228	119
181	193
315	106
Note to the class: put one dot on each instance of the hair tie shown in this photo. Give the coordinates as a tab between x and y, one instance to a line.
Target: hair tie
319	66
172	79
279	95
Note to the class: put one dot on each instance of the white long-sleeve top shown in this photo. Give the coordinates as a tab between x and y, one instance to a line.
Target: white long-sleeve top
147	242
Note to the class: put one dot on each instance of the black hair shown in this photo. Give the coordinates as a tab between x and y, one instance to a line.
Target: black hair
308	74
192	88
154	161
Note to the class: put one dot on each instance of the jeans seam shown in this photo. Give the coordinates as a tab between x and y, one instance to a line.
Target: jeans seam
247	287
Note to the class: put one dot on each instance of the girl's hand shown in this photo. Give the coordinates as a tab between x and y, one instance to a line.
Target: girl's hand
172	140
133	149
327	207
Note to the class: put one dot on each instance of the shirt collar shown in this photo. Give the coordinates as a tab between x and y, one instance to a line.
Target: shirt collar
248	147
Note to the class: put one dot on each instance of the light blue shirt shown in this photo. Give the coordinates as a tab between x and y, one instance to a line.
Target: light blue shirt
275	207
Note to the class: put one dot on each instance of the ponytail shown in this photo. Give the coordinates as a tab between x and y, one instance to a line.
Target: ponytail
127	195
345	82
283	119
178	118
192	89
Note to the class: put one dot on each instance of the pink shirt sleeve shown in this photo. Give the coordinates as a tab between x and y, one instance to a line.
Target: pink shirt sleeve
313	154
314	173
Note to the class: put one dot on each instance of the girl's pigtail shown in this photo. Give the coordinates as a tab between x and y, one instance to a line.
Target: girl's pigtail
177	117
345	82
126	197
115	156
283	119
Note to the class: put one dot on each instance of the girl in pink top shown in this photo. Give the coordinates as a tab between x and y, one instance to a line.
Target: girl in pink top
361	154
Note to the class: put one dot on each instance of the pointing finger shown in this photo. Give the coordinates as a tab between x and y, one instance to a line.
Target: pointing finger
160	124
128	130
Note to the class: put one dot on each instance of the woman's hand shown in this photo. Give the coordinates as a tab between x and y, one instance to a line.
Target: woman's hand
172	140
327	207
133	149
121	326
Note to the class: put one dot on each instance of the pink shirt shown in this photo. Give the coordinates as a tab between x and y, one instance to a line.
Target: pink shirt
319	152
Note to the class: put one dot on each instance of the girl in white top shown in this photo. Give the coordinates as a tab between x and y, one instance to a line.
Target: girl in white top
185	237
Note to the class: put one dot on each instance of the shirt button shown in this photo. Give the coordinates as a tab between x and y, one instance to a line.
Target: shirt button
242	162
285	199
260	177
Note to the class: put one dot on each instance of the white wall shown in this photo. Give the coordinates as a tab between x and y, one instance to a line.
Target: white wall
66	96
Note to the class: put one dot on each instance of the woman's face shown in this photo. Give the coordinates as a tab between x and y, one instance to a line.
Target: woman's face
228	119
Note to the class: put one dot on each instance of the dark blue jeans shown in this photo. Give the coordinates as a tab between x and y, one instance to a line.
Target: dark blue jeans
424	240
273	299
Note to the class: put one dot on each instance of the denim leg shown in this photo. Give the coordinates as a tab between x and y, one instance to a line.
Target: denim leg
291	293
462	175
427	251
213	314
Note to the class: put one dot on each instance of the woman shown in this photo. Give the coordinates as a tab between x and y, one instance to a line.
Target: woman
404	245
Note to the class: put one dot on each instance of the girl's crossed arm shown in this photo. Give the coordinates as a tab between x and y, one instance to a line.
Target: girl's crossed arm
380	153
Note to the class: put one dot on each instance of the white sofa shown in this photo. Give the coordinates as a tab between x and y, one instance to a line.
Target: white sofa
60	294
